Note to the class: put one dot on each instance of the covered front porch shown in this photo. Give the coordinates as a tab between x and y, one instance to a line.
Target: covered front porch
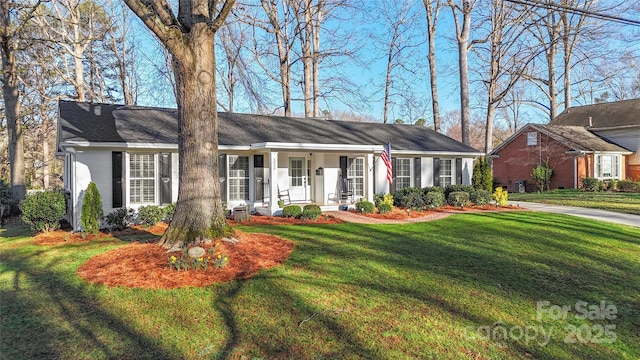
265	178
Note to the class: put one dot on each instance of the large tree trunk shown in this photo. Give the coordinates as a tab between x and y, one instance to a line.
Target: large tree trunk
11	96
199	215
432	19
465	111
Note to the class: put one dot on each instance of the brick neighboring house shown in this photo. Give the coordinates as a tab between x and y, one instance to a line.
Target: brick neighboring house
572	151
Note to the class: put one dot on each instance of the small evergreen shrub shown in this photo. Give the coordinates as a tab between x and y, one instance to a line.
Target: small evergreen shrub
458	198
542	176
91	209
291	211
434	199
400	197
5	197
501	196
43	210
150	215
454	188
429	189
414	201
364	206
169	210
311	211
628	185
384	208
378	199
120	219
481	178
480	197
591	184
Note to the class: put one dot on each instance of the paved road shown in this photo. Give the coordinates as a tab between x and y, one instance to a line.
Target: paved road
610	216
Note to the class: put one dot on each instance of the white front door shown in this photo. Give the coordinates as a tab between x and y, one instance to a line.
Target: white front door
298	178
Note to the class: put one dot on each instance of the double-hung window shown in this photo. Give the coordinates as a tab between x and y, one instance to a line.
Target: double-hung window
142	179
403	173
446	174
238	177
355	175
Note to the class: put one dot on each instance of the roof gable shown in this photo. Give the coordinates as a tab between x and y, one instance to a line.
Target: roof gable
604	115
107	123
576	138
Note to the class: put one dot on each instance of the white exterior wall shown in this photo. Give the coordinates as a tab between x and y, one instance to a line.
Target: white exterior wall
91	165
426	176
380	176
467	170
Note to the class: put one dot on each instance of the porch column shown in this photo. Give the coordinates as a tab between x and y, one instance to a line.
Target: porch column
370	178
273	182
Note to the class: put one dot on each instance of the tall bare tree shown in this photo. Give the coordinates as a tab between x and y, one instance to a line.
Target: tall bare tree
462	21
14	17
189	37
432	9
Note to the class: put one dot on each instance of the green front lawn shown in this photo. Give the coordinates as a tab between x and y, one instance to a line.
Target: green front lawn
613	201
349	291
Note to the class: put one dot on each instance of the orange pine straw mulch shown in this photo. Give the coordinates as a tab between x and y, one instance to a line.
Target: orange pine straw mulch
58	237
278	220
147	265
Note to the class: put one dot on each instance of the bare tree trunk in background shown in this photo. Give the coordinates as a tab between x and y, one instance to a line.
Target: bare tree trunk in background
432	20
11	96
463	28
316	28
190	40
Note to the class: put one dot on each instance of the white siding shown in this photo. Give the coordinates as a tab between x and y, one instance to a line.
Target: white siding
92	165
426	168
467	171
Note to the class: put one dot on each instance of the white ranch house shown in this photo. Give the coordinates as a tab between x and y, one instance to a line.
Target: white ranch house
131	153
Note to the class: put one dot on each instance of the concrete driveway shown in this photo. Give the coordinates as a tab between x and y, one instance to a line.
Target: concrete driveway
603	215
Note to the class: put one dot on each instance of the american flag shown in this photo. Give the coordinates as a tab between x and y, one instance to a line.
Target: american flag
386	158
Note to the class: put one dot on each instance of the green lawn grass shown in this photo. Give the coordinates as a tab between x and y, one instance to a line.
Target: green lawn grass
613	201
348	291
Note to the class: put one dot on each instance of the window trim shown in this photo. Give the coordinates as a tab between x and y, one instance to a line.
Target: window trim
451	175
351	177
230	178
616	166
409	161
130	178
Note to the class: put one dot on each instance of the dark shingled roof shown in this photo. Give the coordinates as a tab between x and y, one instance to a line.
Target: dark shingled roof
604	115
82	122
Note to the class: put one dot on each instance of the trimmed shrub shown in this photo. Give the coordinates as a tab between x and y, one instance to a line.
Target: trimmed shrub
414	201
434	199
120	219
150	215
481	178
311	211
169	210
291	211
628	185
501	196
364	206
91	209
429	189
378	199
542	176
44	210
5	198
384	208
458	198
451	188
480	197
591	184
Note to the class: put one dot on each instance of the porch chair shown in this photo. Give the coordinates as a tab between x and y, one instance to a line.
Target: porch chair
284	195
345	192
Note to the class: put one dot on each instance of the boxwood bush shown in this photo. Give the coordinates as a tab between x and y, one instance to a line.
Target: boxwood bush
364	206
458	198
150	215
480	197
169	210
291	211
628	185
43	210
456	188
311	211
592	184
120	219
434	199
384	208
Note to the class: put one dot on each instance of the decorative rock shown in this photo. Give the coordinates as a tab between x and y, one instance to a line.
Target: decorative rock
196	252
231	240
